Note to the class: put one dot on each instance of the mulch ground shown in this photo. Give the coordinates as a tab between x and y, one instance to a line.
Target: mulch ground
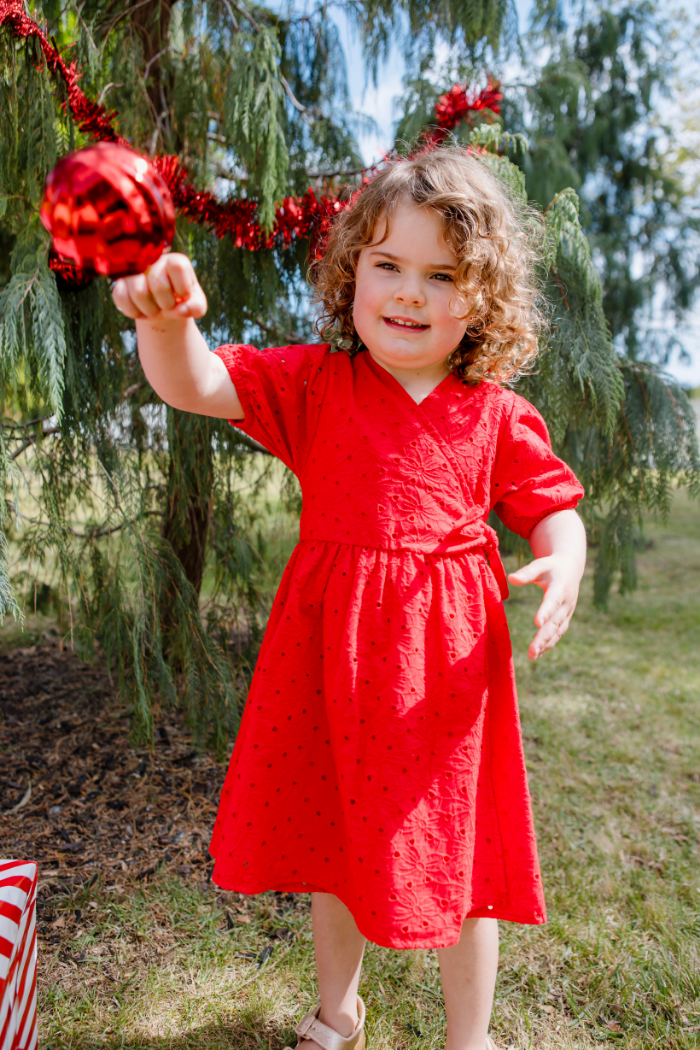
76	797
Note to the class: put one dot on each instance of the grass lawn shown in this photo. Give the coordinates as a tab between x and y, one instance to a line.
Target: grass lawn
612	726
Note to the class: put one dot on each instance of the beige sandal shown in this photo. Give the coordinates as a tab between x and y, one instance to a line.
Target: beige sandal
490	1045
311	1028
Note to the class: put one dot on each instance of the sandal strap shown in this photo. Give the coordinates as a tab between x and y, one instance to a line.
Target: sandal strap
311	1028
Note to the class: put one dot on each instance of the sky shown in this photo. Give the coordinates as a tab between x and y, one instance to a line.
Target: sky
379	103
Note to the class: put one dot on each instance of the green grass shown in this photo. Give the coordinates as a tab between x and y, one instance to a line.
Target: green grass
612	730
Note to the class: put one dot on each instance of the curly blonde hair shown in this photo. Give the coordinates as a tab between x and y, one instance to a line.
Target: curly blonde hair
494	246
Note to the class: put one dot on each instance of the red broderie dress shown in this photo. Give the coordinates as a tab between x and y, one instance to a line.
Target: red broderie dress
380	755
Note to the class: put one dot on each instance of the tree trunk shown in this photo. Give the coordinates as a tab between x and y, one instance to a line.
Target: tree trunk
151	21
188	507
190	543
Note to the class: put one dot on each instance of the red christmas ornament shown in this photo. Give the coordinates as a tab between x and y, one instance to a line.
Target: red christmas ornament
108	210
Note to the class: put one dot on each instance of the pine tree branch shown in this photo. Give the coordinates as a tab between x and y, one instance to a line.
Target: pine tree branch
304	110
251	443
97	532
338	173
104	531
103	94
88	34
314	28
560	286
155	59
236	27
644	395
123	14
23	426
272	329
247	15
310	113
668	390
32	440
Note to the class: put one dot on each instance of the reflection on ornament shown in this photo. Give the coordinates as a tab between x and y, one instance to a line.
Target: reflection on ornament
108	211
68	275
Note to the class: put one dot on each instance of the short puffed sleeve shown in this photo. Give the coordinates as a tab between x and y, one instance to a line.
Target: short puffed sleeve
529	482
281	390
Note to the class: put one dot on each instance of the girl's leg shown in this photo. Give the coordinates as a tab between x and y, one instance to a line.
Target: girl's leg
338	947
468	972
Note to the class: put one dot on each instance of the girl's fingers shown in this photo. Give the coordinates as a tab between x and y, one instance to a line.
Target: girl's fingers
195	305
161	291
141	296
548	636
530	573
180	274
123	301
551	603
175	287
169	289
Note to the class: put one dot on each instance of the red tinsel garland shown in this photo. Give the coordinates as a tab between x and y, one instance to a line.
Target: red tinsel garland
92	119
309	216
454	106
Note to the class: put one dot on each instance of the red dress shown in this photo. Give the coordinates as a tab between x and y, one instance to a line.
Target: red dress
380	755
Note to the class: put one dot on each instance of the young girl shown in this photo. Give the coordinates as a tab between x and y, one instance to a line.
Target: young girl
379	764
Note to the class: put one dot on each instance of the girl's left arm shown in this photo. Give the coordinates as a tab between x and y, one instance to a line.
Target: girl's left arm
558	543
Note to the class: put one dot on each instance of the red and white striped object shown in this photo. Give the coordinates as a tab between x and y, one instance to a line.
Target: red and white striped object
18	880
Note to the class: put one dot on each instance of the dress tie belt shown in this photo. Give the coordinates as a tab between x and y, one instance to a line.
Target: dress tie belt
477	536
473	536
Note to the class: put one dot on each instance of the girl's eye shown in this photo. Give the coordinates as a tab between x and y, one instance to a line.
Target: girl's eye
386	266
442	276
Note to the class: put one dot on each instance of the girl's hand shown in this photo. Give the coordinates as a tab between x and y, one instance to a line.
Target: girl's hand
175	357
168	291
559	576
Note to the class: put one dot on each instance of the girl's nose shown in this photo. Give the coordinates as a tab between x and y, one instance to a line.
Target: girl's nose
410	292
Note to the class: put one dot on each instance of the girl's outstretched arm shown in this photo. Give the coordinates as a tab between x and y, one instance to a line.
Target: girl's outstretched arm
558	543
177	361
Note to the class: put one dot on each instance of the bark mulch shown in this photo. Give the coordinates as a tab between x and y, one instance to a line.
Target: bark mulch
76	797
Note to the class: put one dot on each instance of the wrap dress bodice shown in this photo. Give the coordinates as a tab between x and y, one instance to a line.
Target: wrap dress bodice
380	755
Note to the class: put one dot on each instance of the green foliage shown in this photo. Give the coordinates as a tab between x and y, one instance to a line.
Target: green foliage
580	337
31	298
497	144
146	520
116	498
478	27
578	376
653	449
600	115
252	111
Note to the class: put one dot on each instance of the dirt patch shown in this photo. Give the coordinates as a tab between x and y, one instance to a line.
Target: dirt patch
75	795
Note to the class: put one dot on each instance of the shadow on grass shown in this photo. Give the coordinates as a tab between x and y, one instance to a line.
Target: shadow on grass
223	1034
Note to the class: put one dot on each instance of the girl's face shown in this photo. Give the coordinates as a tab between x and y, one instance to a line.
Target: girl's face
405	299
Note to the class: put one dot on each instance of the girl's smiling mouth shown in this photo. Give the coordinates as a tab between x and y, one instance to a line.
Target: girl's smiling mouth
404	324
